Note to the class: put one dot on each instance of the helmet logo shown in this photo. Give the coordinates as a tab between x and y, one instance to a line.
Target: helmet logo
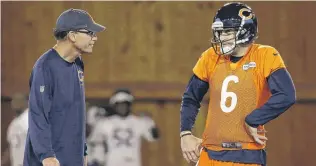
245	13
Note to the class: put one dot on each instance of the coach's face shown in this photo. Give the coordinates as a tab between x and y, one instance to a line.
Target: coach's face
84	40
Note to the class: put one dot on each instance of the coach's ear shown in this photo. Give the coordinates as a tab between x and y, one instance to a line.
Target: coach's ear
72	36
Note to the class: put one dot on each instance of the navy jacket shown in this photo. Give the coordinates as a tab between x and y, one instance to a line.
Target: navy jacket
56	111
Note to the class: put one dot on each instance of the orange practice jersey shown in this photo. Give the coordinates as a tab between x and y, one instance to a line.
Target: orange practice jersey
236	89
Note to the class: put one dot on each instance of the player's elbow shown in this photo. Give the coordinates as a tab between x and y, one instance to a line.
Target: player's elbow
290	99
155	133
290	94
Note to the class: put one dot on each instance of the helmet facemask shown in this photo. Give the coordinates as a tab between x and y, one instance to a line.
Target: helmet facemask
227	45
224	40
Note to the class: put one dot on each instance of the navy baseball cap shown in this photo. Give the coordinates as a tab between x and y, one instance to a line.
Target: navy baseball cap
75	19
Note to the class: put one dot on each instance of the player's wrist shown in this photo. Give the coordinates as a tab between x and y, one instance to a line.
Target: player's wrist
185	133
248	122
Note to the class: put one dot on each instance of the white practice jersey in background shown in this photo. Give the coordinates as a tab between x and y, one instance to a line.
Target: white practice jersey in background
16	136
123	138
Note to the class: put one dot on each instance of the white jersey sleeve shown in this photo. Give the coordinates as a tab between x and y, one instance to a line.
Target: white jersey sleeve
96	141
92	115
147	124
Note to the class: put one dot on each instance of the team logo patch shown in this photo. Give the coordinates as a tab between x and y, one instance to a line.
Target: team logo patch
249	65
42	88
81	77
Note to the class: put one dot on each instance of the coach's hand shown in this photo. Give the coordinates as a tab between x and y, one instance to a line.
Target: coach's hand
51	161
255	134
85	159
191	146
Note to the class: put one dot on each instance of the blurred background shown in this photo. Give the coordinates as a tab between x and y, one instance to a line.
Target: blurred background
151	48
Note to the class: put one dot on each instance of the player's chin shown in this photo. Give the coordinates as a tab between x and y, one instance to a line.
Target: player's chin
195	161
227	53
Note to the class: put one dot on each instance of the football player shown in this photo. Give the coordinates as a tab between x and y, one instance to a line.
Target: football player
249	86
96	151
17	130
122	132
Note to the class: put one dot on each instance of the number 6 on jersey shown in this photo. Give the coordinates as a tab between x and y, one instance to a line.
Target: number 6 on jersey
225	94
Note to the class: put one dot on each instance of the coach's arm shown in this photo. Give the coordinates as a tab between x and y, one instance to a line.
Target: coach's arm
40	103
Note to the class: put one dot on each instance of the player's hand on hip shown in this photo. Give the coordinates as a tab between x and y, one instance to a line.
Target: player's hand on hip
255	134
191	146
51	161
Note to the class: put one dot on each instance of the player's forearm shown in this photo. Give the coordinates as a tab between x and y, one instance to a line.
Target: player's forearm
191	100
283	97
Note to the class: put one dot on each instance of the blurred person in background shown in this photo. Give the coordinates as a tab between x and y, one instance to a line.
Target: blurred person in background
17	131
94	115
120	134
57	115
249	86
